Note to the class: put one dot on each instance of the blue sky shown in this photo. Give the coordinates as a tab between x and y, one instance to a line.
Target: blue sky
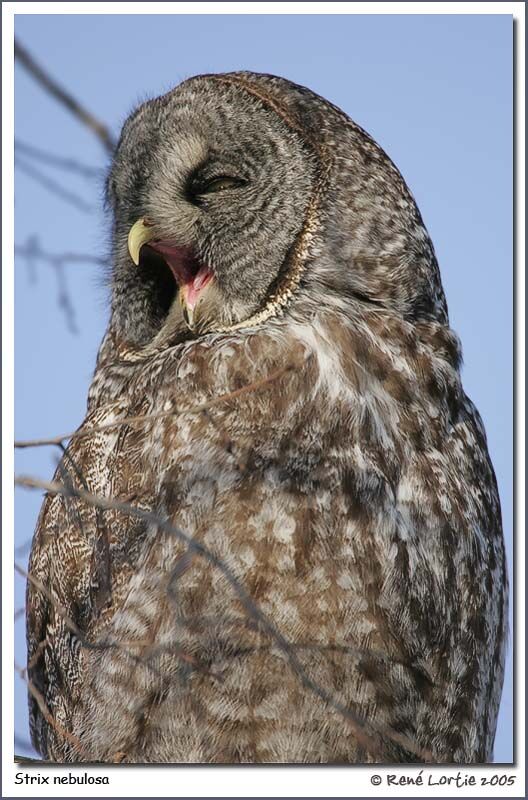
434	91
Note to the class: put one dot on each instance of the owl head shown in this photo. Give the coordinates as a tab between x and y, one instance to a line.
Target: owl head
240	198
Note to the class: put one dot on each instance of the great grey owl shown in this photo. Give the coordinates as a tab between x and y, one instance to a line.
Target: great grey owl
279	537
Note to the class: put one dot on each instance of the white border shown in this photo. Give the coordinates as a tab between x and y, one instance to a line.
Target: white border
266	8
196	781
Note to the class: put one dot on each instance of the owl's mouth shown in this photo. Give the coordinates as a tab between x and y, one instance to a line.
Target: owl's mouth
175	272
189	276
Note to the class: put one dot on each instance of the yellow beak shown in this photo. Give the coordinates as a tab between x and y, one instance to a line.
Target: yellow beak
139	234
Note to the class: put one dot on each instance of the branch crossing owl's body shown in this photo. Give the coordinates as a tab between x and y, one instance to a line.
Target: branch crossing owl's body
286	328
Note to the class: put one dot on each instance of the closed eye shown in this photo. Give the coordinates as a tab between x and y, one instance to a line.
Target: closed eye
221	183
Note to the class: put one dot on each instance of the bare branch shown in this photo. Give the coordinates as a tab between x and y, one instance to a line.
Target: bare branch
25	547
370	740
54	187
30	251
28	760
124	645
64	97
64	299
33	250
37	654
69	164
48	716
70	624
142	418
18	759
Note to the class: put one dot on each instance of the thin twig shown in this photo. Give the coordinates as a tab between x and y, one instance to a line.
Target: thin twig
140	418
70	624
33	250
37	654
64	97
25	547
48	716
27	760
53	160
53	187
64	299
124	645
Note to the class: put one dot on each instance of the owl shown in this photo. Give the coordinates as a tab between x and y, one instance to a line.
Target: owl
276	536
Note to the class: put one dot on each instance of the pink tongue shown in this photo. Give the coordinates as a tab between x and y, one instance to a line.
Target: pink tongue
196	284
182	264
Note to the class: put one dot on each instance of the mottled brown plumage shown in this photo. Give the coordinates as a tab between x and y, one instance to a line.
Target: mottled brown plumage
351	496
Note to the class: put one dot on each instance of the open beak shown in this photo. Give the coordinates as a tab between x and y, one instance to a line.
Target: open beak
191	276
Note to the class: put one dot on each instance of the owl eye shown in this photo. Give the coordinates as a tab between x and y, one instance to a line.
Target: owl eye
220	184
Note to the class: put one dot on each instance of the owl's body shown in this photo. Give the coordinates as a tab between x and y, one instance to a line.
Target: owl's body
320	449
